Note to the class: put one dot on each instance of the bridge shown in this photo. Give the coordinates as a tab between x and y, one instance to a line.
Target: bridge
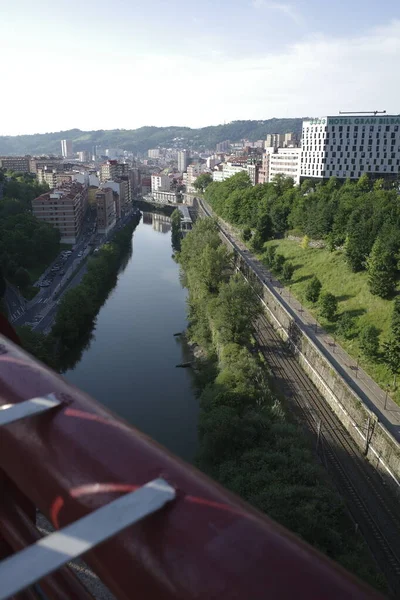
148	524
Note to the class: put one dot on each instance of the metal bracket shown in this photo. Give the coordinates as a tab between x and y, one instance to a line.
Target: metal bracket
52	552
14	412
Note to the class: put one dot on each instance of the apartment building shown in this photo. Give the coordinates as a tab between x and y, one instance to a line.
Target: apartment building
66	149
122	189
106	211
160	182
183	159
274	140
16	163
284	161
64	208
112	169
153	153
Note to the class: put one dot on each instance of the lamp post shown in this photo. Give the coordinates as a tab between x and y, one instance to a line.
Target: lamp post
386	395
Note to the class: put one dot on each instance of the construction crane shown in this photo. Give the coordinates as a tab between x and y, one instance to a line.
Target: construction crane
362	112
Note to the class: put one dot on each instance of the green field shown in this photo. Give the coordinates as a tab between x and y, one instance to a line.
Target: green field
351	289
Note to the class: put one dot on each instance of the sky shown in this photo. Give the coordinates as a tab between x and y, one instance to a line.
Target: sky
97	64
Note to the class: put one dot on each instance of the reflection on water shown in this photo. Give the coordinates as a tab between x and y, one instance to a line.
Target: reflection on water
130	363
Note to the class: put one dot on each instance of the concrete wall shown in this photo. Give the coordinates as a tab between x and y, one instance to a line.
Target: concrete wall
383	451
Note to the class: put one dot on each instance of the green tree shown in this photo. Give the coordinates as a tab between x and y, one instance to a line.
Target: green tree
279	261
391	354
176	235
345	326
395	322
313	289
328	306
369	341
202	182
269	256
381	267
246	234
305	242
235	311
22	278
287	271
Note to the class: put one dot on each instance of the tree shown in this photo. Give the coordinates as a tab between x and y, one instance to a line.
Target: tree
246	234
287	271
305	242
369	341
313	289
269	256
345	326
235	310
22	278
391	354
395	324
176	235
381	267
328	305
279	261
202	182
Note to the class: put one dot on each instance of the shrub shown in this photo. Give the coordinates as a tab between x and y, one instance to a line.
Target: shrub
346	326
328	304
369	341
313	289
287	271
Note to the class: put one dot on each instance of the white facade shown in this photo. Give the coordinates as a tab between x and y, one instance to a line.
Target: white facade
182	160
153	153
227	170
193	171
160	183
348	147
66	148
283	161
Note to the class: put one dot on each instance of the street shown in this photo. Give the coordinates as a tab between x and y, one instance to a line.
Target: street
40	312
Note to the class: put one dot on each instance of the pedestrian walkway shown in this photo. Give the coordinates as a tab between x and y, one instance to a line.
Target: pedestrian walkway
374	397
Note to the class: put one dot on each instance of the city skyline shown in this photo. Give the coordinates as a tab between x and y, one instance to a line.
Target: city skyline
258	60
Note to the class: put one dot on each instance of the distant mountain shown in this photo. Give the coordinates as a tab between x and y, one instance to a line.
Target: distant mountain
140	140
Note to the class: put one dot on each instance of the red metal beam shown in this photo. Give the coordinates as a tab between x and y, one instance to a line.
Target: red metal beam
206	544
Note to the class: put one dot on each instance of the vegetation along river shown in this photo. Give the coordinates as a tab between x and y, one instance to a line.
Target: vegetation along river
130	363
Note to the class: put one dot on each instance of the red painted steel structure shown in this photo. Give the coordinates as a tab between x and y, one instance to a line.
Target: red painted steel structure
206	544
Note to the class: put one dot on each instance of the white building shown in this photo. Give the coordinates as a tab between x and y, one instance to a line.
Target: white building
226	170
193	171
274	140
66	149
183	158
348	147
153	153
283	161
160	183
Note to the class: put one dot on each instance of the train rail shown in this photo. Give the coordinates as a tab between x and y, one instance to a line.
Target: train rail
372	506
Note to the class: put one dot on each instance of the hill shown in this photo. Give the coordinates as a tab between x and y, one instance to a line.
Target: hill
140	140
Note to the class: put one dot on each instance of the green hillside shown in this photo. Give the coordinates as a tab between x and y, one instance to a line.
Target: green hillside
140	140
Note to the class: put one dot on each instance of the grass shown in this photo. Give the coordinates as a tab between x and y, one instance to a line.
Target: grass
351	289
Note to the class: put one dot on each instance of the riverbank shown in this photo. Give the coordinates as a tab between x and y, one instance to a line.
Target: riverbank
145	206
247	440
79	306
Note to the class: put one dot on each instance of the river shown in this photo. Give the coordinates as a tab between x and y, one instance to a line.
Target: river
129	364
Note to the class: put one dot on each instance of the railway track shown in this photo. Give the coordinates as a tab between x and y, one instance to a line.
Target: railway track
373	508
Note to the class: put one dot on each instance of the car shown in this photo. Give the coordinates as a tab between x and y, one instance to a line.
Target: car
45	284
80	254
61	272
56	268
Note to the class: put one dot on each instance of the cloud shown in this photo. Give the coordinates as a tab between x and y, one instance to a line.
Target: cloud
318	76
286	9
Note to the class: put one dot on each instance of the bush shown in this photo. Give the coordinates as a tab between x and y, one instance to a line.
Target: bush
269	256
287	271
279	261
346	326
369	341
246	234
304	242
328	305
313	289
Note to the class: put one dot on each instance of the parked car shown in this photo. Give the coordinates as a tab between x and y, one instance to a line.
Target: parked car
62	272
80	254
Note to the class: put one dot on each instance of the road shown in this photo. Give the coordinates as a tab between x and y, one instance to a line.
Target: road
376	399
40	312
